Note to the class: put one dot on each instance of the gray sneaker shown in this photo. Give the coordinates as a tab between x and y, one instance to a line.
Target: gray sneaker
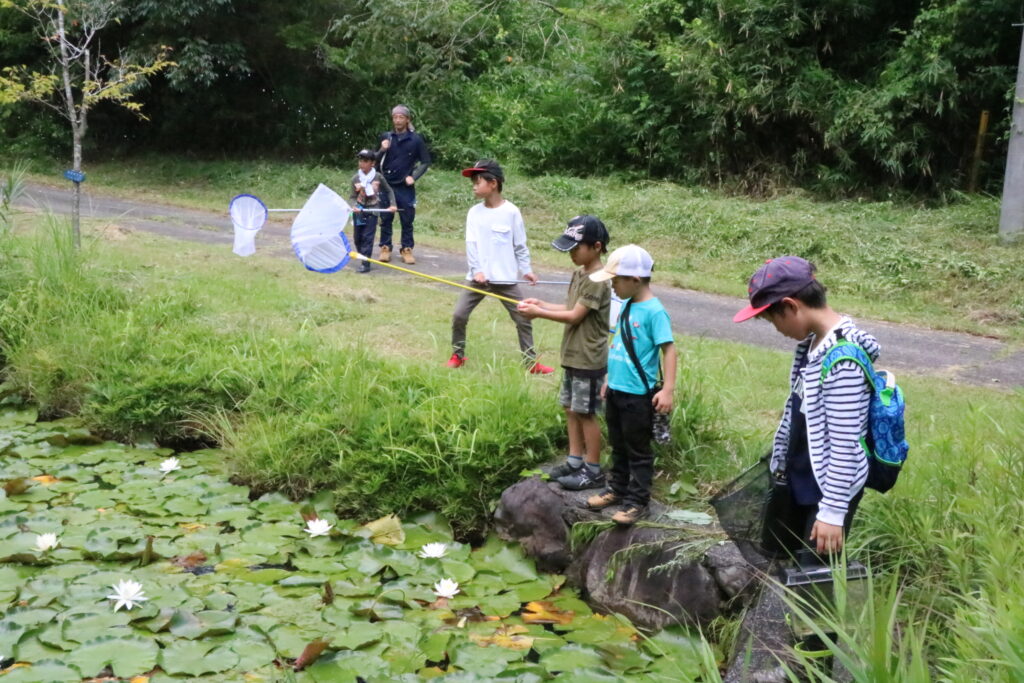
563	470
581	479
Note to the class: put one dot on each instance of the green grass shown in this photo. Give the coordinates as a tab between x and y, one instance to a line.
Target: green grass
335	382
941	267
312	382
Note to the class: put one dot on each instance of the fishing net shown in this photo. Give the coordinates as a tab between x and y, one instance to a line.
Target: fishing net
318	236
248	214
740	506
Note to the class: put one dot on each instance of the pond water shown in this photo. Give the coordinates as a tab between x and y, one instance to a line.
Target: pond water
233	589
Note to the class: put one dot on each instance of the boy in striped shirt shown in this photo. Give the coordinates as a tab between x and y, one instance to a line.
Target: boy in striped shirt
819	447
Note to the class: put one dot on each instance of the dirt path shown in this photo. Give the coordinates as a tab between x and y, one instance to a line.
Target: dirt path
956	356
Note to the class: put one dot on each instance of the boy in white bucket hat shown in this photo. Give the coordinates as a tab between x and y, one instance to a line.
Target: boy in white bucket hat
632	398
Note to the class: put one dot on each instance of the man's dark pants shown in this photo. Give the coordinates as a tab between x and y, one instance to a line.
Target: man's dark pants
405	199
630	418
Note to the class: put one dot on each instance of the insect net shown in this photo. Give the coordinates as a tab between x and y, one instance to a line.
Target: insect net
318	236
248	214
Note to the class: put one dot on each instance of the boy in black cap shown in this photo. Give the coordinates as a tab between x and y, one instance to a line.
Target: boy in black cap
584	350
818	458
367	186
497	256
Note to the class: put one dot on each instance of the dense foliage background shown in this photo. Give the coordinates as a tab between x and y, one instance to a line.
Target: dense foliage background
836	95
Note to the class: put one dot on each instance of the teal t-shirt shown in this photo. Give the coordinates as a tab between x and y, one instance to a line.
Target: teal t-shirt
650	326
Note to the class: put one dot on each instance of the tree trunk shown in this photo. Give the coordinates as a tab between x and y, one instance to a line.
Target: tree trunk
76	202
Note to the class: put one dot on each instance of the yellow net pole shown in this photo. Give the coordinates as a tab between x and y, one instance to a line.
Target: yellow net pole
357	255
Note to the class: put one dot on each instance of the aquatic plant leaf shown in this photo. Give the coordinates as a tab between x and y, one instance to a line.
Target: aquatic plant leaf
545	612
487	662
690	516
196	658
510	636
387	530
125	655
50	670
571	658
311	653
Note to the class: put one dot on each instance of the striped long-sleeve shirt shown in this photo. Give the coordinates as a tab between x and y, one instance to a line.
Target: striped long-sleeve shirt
837	420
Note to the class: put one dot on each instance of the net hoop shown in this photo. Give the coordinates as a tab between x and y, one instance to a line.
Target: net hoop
248	214
318	232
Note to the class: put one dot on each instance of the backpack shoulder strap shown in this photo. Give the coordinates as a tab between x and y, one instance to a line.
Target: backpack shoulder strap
845	350
626	334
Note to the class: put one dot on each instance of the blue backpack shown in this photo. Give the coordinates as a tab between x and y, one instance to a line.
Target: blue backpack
886	444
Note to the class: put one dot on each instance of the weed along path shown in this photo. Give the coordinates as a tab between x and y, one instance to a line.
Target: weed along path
955	356
133	564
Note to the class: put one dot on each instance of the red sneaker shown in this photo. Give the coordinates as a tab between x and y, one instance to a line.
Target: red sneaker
456	361
538	369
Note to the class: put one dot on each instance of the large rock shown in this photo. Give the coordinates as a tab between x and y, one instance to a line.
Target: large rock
614	570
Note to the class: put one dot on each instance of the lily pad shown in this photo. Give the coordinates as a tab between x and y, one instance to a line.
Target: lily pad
571	658
196	658
125	655
50	670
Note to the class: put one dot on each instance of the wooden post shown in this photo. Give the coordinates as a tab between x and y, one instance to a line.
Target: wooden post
979	147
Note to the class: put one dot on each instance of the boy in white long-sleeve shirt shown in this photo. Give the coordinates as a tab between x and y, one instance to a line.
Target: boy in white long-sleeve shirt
497	256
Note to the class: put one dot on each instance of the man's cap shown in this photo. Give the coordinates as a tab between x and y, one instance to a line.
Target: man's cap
366	154
485	166
774	281
586	228
627	261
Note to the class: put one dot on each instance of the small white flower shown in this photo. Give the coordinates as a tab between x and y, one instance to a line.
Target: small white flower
170	465
433	550
446	588
46	542
128	593
317	527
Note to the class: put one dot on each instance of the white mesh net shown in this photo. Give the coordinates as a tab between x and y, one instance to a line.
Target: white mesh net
318	232
248	214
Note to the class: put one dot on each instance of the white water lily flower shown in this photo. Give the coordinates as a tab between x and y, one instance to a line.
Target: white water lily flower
128	593
46	542
446	588
433	550
317	527
169	465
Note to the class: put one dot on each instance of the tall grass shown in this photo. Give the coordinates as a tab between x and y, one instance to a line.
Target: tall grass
306	390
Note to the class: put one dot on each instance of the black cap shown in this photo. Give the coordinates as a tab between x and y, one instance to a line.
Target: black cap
366	154
586	228
485	166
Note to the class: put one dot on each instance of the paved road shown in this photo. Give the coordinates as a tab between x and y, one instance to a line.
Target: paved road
956	356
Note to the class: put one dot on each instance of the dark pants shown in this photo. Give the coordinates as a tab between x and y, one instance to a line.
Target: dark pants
788	530
364	230
629	418
469	300
405	199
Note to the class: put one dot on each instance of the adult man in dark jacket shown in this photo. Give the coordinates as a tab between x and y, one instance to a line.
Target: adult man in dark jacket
403	158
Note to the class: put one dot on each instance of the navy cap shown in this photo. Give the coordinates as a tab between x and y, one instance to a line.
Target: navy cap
774	281
586	228
366	154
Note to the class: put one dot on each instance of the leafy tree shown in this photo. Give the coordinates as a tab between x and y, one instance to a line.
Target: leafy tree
78	74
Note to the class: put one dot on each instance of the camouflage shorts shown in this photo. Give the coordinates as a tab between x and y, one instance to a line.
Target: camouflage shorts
580	393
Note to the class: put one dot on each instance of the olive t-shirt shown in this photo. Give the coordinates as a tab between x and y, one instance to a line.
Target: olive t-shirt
585	345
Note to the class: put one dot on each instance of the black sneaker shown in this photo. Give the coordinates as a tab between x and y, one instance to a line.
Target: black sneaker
364	267
563	470
581	479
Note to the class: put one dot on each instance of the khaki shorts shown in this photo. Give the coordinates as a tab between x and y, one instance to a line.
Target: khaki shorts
581	391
